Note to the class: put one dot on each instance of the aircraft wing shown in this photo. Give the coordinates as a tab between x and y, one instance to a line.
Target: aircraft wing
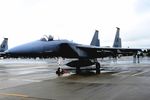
99	52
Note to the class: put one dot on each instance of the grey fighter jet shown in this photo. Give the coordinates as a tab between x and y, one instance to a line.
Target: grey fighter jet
86	55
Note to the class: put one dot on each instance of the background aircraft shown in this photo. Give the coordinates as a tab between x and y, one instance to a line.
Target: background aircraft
86	55
4	45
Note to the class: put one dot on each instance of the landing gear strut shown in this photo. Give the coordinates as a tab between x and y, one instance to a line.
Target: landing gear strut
98	66
78	70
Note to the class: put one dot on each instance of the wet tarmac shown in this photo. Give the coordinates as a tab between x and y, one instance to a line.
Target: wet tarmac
30	79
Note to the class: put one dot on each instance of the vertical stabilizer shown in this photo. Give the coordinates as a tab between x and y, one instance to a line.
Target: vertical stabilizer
4	45
95	41
117	41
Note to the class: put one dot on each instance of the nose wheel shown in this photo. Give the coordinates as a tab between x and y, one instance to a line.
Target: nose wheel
59	71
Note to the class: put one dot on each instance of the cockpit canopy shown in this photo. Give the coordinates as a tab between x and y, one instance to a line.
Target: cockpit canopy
47	38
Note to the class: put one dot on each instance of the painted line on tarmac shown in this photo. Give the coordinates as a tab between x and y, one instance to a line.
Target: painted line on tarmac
123	73
14	95
136	74
22	96
26	80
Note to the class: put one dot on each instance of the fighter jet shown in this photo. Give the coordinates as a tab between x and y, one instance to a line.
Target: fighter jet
4	45
85	55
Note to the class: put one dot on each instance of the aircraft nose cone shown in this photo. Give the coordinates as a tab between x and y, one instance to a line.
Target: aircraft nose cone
16	50
33	49
25	48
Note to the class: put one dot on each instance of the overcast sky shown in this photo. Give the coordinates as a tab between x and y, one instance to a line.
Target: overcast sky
23	21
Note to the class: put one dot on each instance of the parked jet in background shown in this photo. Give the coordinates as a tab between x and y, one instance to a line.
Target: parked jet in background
4	45
86	55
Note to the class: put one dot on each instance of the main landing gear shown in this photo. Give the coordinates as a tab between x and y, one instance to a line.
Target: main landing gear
78	70
98	66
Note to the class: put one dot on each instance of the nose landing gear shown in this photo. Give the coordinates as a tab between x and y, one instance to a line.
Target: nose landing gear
59	71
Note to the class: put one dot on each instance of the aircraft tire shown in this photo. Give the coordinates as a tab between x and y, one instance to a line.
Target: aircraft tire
58	71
